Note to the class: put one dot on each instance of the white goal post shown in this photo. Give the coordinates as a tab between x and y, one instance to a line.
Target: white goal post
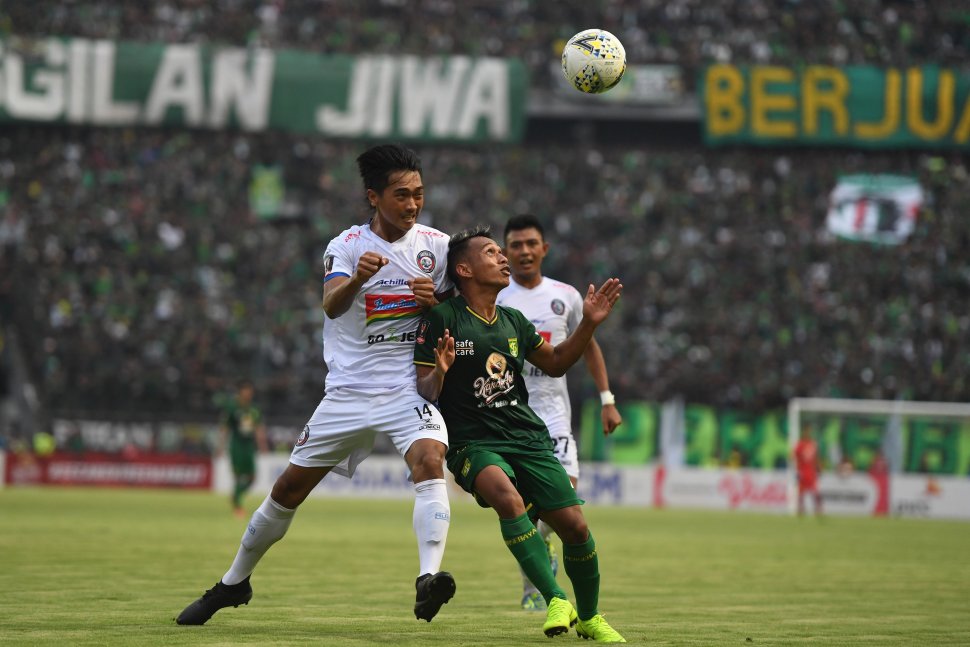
893	411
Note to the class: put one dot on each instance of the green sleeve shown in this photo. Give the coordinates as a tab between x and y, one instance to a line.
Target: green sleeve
429	330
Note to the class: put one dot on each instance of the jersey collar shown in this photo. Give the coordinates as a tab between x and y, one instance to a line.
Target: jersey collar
480	317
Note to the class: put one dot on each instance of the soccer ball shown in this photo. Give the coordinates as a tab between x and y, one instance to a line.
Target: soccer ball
593	61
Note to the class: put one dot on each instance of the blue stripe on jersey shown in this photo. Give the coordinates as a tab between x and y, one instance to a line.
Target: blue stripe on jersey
334	275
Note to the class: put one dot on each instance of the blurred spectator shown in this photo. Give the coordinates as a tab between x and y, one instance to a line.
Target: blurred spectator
736	294
142	282
689	33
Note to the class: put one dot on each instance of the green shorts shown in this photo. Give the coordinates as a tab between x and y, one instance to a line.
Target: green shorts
536	474
242	456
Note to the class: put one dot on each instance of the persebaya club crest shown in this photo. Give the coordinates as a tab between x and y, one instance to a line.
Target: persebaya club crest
514	347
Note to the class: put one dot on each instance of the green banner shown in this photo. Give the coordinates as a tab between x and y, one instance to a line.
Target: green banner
727	437
107	83
916	107
266	191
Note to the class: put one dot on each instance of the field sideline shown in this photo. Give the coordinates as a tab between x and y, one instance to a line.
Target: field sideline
114	567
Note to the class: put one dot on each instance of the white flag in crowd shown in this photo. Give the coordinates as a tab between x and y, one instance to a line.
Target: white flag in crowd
875	208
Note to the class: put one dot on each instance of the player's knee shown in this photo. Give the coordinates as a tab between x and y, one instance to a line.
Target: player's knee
508	504
288	491
574	530
428	463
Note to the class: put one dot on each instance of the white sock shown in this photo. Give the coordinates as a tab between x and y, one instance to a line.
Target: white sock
527	586
267	526
432	515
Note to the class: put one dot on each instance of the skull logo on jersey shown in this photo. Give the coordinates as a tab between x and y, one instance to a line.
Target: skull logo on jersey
426	261
495	365
500	381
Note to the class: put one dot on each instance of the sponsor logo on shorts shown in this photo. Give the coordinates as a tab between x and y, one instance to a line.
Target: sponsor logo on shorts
426	261
466	467
558	306
430	427
443	516
304	436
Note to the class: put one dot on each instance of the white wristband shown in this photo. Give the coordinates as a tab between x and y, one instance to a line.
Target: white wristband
607	398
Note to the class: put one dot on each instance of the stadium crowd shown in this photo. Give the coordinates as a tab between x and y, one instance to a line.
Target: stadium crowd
144	280
688	33
141	278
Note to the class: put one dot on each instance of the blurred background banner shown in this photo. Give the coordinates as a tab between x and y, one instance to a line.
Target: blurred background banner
845	106
640	85
875	208
697	435
108	83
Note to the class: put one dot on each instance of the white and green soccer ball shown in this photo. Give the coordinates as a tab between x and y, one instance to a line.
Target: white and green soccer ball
593	61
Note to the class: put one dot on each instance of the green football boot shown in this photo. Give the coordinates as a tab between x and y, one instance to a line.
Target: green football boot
599	630
559	618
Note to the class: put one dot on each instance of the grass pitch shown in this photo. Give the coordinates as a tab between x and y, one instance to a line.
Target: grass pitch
114	567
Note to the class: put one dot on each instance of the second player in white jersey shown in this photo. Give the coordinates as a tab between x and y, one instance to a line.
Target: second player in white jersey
555	309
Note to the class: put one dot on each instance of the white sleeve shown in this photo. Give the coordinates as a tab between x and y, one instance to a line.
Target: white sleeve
574	310
339	259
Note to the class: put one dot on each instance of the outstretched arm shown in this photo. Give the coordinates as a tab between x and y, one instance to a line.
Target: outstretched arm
609	414
556	360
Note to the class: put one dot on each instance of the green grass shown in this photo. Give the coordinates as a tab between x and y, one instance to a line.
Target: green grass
114	567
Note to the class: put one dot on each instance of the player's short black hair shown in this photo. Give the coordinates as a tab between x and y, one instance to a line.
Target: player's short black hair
458	247
376	164
523	221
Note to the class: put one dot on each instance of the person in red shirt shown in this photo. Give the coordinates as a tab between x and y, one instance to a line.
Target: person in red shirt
807	467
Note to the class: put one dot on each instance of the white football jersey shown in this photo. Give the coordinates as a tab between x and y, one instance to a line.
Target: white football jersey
371	346
555	308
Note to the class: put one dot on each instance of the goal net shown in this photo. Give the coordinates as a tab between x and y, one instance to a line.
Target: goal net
865	445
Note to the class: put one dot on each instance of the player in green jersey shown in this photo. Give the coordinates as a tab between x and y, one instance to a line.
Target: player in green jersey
243	432
469	356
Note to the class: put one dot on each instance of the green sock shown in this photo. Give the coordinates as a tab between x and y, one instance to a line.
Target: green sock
583	569
529	550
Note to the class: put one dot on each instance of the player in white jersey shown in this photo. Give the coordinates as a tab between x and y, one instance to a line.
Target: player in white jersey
555	308
379	277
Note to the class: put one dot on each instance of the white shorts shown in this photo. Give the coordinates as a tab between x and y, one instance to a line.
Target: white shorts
564	445
340	433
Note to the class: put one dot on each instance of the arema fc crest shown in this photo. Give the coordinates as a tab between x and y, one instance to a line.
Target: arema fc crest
558	306
426	261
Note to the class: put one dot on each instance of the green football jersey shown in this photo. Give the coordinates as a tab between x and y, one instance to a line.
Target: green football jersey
484	399
242	423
